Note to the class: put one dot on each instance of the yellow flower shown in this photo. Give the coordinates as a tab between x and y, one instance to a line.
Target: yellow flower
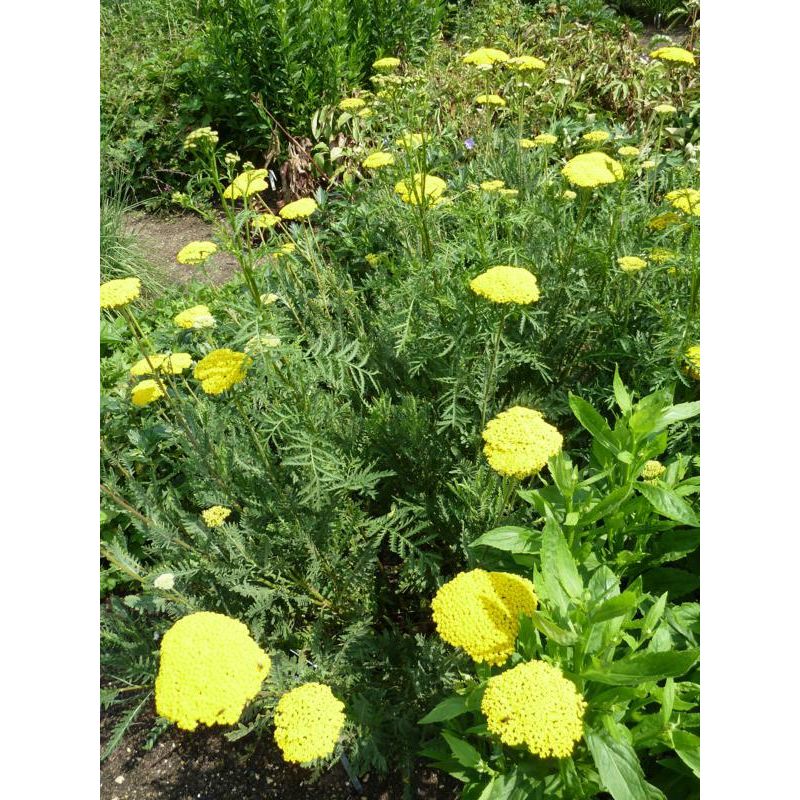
199	137
196	253
388	63
527	144
631	263
308	721
258	344
492	186
660	255
505	284
589	170
525	63
269	299
266	221
249	182
490	100
424	189
518	442
410	141
351	104
195	317
535	706
145	392
568	194
215	516
595	137
545	139
284	250
119	292
686	200
692	358
665	109
675	54
652	470
365	113
299	209
485	57
210	668
628	151
232	158
508	192
649	164
172	364
663	221
479	612
221	369
378	160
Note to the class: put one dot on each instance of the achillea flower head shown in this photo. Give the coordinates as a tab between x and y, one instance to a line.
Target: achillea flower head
533	705
200	136
676	55
423	190
649	164
165	581
665	109
692	362
266	220
269	299
518	442
284	250
411	141
221	369
631	263
194	318
146	392
232	158
506	284
596	137
378	160
652	470
308	722
210	669
660	255
589	170
545	139
663	221
387	63
299	209
686	200
246	184
196	253
262	343
485	57
365	113
215	516
629	151
525	63
568	194
490	100
479	612
119	292
169	363
492	186
527	144
509	193
351	104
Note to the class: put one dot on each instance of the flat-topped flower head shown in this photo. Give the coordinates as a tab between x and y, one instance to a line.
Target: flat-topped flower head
506	284
351	104
544	139
568	194
492	186
628	151
146	392
119	292
664	221
525	63
649	164
378	160
510	194
196	253
692	362
215	516
299	209
631	263
485	57
686	200
200	137
266	220
232	158
422	190
674	55
596	137
386	63
479	612
221	369
490	100
665	109
165	581
195	318
589	170
652	470
527	144
534	706
246	184
518	442
411	141
660	255
168	363
365	113
210	668
308	722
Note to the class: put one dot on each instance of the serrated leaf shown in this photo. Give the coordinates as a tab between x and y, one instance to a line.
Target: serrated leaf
621	394
615	607
463	752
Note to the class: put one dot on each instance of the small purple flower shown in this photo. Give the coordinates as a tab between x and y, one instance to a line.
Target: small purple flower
469	143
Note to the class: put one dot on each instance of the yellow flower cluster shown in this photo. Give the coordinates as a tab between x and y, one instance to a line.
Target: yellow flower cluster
589	170
171	363
692	358
492	186
595	137
258	344
663	221
660	255
199	137
518	442
485	57
249	182
424	190
665	109
351	104
215	516
652	470
145	392
631	263
210	668
221	369
525	63
568	194
629	151
490	100
266	220
677	55
378	160
535	706
388	63
308	721
686	200
119	292
506	284
196	253
411	141
195	317
299	209
479	612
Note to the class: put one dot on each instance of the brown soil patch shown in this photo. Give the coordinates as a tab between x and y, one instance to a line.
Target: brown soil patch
160	239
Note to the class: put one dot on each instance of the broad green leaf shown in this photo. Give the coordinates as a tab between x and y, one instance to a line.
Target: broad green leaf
463	752
615	607
546	626
534	497
564	474
669	416
511	539
501	787
557	559
668	701
687	746
591	419
619	767
607	506
625	457
643	667
668	504
621	394
449	708
653	615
